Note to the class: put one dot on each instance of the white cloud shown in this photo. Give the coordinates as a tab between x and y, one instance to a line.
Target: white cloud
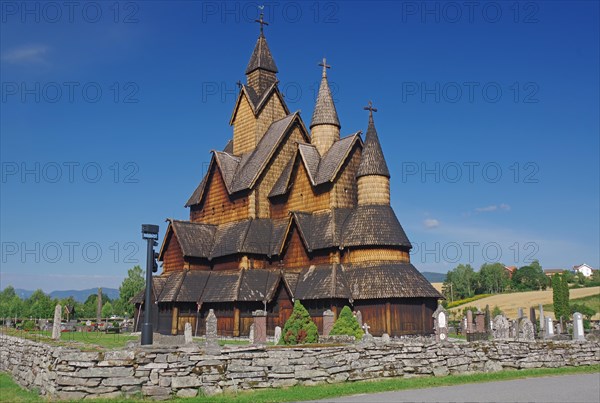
431	223
493	207
486	209
29	54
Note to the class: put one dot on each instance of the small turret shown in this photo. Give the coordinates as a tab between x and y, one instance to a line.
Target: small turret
325	125
261	71
373	175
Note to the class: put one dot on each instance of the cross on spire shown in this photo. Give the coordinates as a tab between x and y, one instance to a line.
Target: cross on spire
261	21
325	67
370	109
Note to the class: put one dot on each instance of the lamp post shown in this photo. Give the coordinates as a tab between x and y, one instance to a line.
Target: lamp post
150	234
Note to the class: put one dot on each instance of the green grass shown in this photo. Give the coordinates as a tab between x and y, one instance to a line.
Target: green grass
10	392
81	340
593	301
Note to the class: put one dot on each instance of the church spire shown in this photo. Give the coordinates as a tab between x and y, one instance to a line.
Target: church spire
325	112
325	125
261	56
373	175
372	161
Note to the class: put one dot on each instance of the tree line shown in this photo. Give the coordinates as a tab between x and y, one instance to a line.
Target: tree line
492	278
41	305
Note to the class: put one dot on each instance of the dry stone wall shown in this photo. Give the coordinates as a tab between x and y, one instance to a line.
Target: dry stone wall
160	372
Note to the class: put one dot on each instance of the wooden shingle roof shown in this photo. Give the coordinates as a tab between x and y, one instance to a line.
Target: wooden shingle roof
261	57
373	225
325	112
372	161
353	282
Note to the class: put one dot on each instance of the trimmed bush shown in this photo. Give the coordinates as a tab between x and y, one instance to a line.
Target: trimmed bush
28	325
346	324
299	328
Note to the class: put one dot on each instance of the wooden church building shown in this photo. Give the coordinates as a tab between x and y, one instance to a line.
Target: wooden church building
288	212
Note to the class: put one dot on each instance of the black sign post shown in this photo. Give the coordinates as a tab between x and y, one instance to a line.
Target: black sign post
150	234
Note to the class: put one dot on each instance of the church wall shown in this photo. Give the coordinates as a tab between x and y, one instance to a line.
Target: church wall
366	254
217	207
398	316
272	111
302	196
173	256
283	155
345	190
244	128
193	263
261	80
373	189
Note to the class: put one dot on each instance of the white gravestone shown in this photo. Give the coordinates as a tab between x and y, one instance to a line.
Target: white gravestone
440	323
277	334
578	333
188	333
251	335
548	328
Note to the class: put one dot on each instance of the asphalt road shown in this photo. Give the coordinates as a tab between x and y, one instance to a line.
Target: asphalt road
561	389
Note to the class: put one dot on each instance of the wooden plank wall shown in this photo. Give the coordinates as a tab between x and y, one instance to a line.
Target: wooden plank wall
173	256
216	206
345	191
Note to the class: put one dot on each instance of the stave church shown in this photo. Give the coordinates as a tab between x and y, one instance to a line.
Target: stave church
288	212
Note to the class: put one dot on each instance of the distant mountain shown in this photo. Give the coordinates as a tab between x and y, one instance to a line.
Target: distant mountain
434	277
81	295
78	295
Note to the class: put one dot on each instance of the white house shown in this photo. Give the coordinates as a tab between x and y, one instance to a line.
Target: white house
585	269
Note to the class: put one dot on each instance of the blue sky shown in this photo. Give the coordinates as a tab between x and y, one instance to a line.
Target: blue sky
488	117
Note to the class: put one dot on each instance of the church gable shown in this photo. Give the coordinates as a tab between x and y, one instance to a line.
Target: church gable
252	116
216	206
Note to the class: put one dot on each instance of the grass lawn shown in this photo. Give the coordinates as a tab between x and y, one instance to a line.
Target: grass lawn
592	301
81	340
10	392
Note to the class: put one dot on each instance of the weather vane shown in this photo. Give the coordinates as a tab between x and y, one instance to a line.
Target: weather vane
261	21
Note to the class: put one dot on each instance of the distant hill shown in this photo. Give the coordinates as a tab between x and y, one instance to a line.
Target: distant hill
434	277
78	295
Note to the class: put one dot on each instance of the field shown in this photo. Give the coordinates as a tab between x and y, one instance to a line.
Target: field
437	286
509	303
592	301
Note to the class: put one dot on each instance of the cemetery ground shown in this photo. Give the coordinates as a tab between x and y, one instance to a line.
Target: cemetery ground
11	392
510	302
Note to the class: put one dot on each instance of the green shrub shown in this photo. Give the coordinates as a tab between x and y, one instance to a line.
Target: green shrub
585	310
299	328
346	324
466	300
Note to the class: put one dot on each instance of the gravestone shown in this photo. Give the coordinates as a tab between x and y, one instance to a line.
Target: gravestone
542	319
578	333
260	326
469	321
366	328
99	306
526	331
519	313
501	327
440	324
562	325
212	344
187	332
328	320
56	323
251	336
559	329
359	318
532	318
464	325
480	322
514	329
277	334
548	328
385	338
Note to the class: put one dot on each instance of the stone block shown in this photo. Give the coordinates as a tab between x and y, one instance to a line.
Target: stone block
104	372
186	382
187	393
